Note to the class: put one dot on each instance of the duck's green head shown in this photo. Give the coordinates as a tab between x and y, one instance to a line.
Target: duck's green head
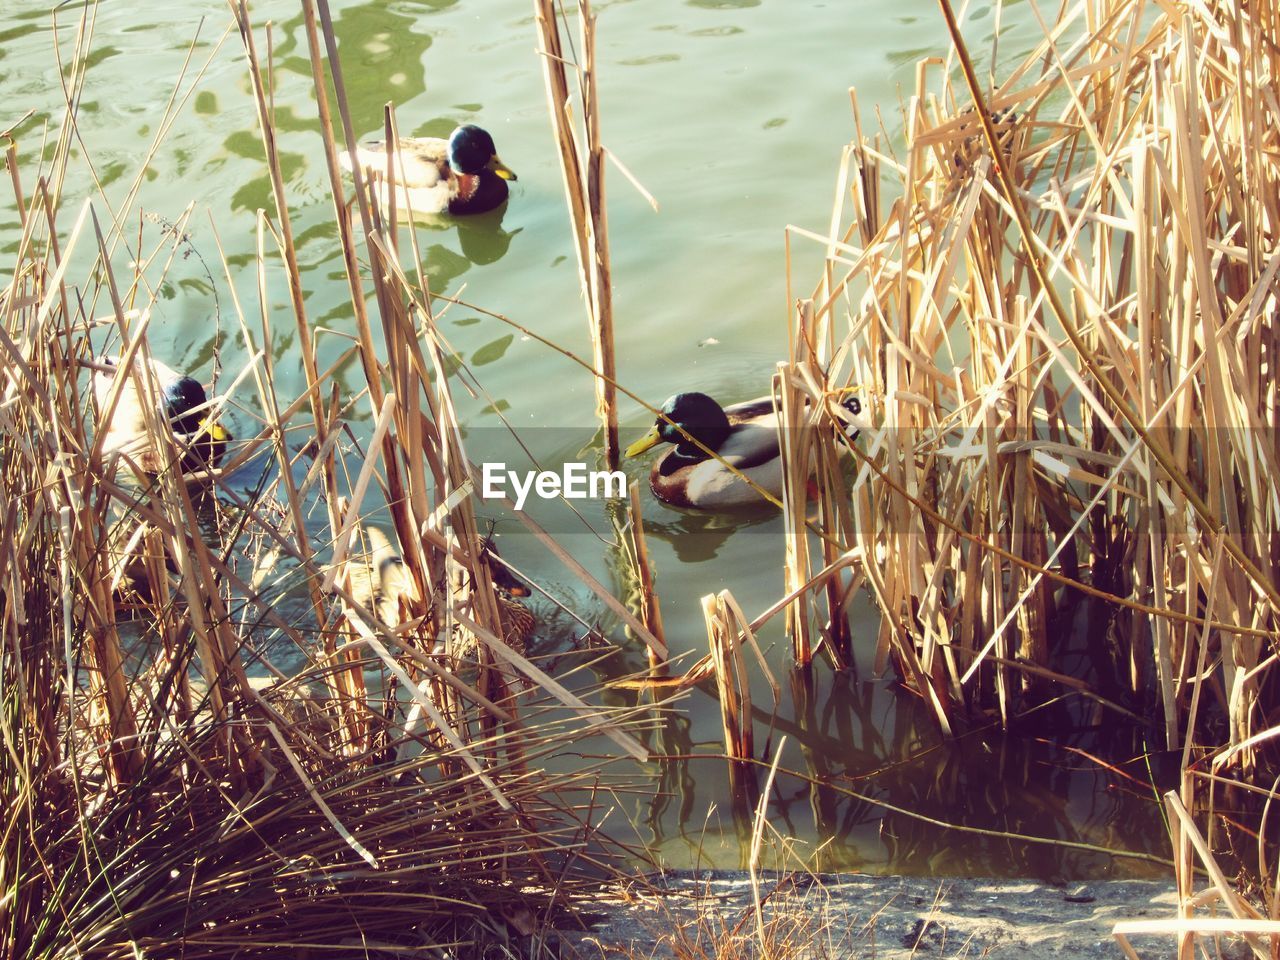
695	413
471	151
500	574
183	399
184	405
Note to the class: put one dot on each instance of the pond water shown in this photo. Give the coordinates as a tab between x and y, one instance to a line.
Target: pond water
732	113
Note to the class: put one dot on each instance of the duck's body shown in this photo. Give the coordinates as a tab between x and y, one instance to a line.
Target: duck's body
685	476
380	580
460	175
743	435
179	401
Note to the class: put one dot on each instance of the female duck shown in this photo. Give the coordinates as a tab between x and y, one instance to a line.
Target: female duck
745	435
460	175
180	402
381	581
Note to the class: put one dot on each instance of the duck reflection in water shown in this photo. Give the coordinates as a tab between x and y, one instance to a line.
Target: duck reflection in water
481	239
697	537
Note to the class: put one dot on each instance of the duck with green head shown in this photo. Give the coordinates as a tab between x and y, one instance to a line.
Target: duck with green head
460	175
180	402
743	436
379	580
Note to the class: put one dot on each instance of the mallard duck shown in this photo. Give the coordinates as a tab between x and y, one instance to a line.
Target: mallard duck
460	175
744	434
181	402
381	582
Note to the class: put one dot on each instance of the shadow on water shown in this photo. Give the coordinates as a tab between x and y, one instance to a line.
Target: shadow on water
481	239
383	53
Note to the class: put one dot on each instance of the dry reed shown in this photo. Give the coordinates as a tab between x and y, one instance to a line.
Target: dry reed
582	166
637	551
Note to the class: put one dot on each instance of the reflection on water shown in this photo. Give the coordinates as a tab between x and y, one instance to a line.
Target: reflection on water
697	537
850	748
482	238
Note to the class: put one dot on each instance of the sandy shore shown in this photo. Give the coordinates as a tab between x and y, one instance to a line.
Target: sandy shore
886	918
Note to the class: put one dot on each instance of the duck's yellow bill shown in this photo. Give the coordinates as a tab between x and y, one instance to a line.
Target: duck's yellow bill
647	442
216	431
500	168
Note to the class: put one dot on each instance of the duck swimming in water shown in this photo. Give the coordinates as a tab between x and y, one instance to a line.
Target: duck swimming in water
745	435
460	175
380	581
180	402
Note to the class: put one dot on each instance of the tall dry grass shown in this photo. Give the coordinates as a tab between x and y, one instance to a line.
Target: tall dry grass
1056	306
1057	303
168	786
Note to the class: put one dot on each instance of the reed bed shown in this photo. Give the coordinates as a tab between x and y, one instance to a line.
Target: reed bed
169	787
1057	306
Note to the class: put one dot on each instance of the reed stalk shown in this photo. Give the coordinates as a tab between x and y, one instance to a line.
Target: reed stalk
582	158
637	554
732	683
728	632
797	461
